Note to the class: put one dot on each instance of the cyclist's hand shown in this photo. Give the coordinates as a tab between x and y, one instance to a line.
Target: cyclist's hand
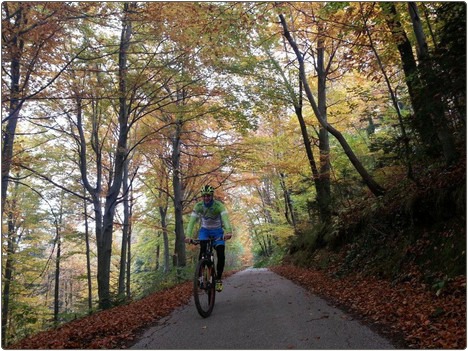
227	236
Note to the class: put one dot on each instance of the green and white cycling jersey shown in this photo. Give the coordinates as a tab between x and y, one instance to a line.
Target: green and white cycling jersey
212	217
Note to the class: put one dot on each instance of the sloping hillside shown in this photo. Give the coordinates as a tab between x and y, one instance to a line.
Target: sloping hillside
399	261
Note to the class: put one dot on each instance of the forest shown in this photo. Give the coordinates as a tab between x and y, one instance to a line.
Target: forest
334	133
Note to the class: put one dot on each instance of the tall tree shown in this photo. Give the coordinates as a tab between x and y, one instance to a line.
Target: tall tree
58	223
324	142
126	232
12	240
30	35
435	108
429	112
450	56
370	182
104	239
393	96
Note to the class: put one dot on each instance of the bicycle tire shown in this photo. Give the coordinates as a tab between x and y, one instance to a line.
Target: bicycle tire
204	291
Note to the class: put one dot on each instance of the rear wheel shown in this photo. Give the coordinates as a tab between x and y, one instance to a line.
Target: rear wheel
204	287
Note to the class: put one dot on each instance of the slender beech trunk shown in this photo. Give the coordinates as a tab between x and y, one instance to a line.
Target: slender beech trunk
7	278
404	135
12	242
163	214
9	132
129	253
125	232
158	252
298	104
88	258
104	219
324	189
289	213
265	196
179	253
307	144
422	48
405	50
373	186
435	107
57	274
429	119
423	124
58	242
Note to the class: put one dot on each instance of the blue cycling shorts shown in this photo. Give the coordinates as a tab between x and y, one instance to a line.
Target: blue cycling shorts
205	234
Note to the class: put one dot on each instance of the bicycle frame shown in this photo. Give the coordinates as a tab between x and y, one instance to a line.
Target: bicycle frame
204	291
208	253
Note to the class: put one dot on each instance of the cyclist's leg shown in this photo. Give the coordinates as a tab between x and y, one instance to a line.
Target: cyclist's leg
203	234
202	249
220	253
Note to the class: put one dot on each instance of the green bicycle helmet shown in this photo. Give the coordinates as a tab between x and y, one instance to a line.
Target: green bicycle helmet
207	190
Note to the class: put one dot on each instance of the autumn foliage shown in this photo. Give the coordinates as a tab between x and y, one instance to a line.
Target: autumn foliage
408	310
113	328
151	100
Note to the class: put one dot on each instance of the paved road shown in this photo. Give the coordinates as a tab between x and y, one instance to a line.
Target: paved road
258	309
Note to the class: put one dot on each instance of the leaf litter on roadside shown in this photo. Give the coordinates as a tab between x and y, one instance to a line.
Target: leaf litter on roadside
424	318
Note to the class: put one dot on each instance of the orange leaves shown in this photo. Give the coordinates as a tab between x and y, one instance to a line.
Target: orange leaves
409	309
112	328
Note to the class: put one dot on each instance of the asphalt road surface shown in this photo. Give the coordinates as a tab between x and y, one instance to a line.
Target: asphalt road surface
259	309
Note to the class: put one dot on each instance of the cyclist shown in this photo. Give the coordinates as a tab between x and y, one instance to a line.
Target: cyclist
214	218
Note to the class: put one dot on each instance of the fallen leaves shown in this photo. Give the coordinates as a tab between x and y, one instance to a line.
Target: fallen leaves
113	328
424	319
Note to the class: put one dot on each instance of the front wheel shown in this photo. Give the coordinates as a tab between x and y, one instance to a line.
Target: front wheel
204	287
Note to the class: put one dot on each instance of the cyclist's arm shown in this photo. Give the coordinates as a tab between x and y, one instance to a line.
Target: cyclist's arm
191	224
225	220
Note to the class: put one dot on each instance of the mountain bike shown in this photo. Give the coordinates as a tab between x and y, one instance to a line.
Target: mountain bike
204	280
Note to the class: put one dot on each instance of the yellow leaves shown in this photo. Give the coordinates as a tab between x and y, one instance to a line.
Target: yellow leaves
283	231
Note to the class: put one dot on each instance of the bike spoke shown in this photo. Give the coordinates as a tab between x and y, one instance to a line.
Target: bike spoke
204	289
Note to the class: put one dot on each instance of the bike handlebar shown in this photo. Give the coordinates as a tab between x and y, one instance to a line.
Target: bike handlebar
197	241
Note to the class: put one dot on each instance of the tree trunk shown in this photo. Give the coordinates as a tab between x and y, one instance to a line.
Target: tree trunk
394	101
58	241
105	246
429	117
166	254
179	252
88	259
125	232
9	268
158	252
422	48
375	188
104	252
307	144
288	205
406	53
435	107
14	108
265	196
323	191
95	192
57	275
129	253
297	102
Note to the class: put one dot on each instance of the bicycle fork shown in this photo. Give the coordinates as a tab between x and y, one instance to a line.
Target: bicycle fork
205	278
